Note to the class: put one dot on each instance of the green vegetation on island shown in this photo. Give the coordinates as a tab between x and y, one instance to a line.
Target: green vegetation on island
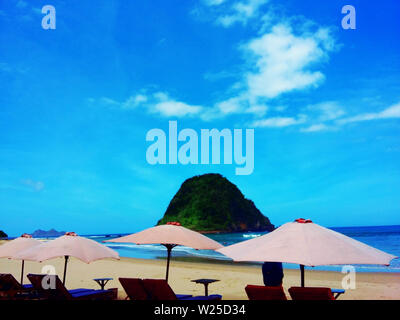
211	203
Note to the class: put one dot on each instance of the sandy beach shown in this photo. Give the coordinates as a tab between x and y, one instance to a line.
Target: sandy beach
233	277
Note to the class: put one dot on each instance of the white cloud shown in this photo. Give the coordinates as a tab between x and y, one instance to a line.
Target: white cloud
172	108
320	116
330	115
278	122
276	62
130	103
134	101
390	112
161	103
108	101
283	62
213	2
35	185
316	127
158	102
284	57
257	109
241	12
231	105
326	111
238	105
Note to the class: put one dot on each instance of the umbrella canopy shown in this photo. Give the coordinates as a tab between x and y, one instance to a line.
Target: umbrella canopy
306	243
69	245
12	247
22	243
170	235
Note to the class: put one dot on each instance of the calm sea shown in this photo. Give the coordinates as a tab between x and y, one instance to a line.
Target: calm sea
386	238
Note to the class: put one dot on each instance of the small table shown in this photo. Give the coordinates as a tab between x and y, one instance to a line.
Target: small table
102	282
206	282
338	292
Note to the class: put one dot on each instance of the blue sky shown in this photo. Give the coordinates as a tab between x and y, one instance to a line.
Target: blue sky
77	102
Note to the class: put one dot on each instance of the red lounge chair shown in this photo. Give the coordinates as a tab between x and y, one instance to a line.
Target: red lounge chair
61	293
159	289
265	293
311	293
134	288
10	288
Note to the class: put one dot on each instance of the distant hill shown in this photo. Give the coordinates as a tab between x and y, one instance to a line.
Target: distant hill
3	234
211	203
44	234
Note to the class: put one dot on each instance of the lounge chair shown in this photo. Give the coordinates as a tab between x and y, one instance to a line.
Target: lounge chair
311	293
10	288
265	292
159	289
134	288
60	292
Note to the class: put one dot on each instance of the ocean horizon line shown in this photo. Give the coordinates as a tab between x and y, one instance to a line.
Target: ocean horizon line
222	232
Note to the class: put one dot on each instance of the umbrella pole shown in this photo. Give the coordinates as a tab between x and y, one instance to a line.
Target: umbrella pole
169	249
302	274
22	272
65	268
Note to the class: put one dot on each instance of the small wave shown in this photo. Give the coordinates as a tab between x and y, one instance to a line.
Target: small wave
251	235
135	246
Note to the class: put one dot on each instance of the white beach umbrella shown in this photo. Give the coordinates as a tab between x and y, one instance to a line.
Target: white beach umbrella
170	235
308	244
16	245
69	245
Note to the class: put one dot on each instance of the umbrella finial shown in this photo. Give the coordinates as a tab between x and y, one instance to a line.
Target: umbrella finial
302	220
174	223
26	235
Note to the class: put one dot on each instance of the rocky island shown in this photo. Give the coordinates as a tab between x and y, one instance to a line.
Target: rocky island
46	234
211	203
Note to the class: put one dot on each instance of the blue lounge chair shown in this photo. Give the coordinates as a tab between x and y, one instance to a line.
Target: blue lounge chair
10	288
59	292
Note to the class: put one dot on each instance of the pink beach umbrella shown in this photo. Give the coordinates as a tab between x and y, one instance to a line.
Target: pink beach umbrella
170	235
308	244
12	247
68	245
